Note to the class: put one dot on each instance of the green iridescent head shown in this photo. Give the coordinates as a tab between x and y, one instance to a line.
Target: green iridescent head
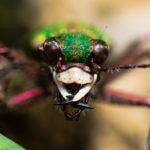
73	41
76	46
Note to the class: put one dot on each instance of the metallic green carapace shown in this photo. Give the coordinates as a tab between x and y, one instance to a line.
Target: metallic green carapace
76	39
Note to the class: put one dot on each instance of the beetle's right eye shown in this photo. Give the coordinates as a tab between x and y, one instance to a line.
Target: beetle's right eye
51	51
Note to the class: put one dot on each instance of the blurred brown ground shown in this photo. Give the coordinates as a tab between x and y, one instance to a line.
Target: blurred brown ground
107	127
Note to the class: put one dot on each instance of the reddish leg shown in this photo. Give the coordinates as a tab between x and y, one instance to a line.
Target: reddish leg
30	72
123	98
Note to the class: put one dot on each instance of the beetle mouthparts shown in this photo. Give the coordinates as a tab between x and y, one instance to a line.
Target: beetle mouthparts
76	104
77	90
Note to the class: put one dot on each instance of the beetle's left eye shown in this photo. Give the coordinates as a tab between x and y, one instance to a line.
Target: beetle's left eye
100	52
51	51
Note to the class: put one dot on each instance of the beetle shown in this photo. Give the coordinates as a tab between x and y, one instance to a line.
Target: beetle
73	55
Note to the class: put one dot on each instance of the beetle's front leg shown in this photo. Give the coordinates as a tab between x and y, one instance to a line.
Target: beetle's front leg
37	87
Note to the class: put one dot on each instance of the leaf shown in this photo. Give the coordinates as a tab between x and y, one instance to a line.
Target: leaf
7	144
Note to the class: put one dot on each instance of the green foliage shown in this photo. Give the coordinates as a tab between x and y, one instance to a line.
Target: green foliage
7	144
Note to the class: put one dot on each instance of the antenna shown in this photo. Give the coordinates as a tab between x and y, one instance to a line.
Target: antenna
103	31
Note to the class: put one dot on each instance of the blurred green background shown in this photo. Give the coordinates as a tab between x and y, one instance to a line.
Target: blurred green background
107	127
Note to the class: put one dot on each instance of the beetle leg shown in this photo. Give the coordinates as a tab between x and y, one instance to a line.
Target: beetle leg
115	71
31	71
22	63
123	98
130	59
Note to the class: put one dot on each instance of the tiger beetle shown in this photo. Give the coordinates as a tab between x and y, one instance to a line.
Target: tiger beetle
73	56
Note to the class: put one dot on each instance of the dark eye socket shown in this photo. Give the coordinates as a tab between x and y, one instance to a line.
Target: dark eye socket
100	52
51	50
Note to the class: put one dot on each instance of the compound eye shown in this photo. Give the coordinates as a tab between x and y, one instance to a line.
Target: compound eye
100	52
51	51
